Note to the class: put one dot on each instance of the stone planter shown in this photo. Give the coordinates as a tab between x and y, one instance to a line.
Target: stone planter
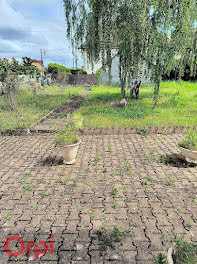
190	155
169	256
69	153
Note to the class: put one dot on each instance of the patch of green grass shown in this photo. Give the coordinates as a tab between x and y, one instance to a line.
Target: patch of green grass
27	188
144	181
34	207
109	149
176	209
176	107
7	218
185	252
92	215
27	173
43	194
108	240
32	107
96	161
115	191
170	181
115	205
191	224
77	208
161	259
127	167
105	170
190	140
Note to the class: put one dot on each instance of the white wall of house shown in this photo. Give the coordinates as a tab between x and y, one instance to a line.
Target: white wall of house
88	66
115	69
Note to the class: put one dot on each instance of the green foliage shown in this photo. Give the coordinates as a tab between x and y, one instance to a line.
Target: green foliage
55	68
69	135
9	81
161	259
151	33
27	61
115	191
29	70
185	252
7	218
170	181
108	240
190	140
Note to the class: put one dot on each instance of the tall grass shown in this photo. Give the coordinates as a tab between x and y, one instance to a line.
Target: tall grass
31	107
177	106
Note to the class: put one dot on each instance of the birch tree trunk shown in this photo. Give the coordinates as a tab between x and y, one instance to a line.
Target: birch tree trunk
135	83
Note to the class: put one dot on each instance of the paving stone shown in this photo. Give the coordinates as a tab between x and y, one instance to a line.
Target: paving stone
40	195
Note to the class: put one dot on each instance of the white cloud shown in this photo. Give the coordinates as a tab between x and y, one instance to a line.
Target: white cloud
10	18
34	2
23	36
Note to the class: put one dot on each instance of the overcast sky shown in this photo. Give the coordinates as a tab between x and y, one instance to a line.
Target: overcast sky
26	26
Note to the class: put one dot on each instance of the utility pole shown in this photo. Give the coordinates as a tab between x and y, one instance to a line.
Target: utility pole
42	54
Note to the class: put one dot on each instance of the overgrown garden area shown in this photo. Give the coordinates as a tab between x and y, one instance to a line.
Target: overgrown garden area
32	103
177	106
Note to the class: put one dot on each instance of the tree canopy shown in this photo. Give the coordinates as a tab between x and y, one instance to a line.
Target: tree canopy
160	33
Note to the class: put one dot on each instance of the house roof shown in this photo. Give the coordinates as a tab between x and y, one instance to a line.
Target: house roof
38	61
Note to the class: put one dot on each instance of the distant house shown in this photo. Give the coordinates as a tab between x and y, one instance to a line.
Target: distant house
91	69
38	64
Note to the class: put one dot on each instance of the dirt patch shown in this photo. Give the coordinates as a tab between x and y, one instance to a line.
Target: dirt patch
52	161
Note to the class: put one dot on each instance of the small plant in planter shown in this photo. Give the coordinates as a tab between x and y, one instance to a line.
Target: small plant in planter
68	140
188	146
182	252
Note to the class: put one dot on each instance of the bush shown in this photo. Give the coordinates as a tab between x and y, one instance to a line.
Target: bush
174	75
185	252
69	135
9	81
55	69
190	141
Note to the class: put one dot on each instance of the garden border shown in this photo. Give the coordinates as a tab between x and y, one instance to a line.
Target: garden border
137	130
105	131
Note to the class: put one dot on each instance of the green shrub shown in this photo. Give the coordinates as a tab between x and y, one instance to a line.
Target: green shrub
55	68
190	141
185	252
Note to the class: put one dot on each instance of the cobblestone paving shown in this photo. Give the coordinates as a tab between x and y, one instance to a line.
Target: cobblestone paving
117	204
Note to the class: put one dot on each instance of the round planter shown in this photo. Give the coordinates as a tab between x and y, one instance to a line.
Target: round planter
69	153
190	155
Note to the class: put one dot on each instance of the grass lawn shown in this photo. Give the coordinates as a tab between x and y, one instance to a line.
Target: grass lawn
33	107
177	106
